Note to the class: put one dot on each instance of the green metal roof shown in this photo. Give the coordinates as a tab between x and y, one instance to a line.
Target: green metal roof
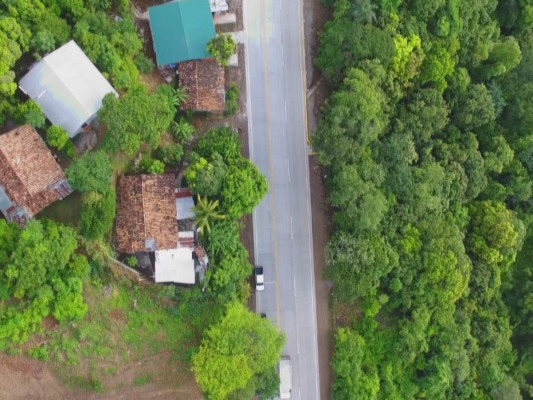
181	30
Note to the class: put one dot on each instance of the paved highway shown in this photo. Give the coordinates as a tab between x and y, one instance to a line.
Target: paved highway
282	222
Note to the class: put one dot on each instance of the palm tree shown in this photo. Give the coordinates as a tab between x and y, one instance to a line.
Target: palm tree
182	130
224	237
363	11
178	96
206	211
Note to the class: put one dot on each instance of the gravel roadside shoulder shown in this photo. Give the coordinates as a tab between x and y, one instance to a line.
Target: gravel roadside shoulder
315	16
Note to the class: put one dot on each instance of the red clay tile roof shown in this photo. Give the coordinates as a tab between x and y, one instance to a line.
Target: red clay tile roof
146	210
28	172
204	82
182	192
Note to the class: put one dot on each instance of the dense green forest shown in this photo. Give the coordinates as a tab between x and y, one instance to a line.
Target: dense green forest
427	139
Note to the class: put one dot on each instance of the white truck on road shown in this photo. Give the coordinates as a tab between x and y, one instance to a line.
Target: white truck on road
285	378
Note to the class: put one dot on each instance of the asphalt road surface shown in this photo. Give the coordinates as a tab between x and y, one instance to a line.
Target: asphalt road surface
278	146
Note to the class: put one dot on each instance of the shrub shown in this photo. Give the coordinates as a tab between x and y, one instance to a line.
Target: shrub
142	380
232	99
132	261
30	113
97	214
150	166
206	177
224	141
91	172
87	383
43	42
39	353
69	149
69	305
182	130
170	154
143	63
244	187
56	137
135	118
43	273
157	167
222	47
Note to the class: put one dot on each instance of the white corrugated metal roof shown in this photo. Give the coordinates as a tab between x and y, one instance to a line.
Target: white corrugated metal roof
218	5
67	86
175	265
184	208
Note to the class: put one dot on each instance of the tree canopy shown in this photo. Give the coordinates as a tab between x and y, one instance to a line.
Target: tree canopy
426	144
91	172
39	266
218	169
222	47
234	351
135	118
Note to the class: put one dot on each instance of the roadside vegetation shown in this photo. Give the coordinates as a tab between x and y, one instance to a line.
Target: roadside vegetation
60	302
426	139
222	47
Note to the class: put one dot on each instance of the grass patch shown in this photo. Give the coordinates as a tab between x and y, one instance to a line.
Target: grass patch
110	370
126	324
232	99
66	211
91	384
142	380
39	353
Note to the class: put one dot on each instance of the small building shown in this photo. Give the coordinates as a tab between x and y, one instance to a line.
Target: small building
68	88
181	30
218	6
203	81
154	221
146	214
30	177
225	22
175	265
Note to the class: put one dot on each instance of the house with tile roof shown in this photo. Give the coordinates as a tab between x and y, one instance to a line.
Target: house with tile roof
146	214
149	221
181	30
68	88
30	177
203	81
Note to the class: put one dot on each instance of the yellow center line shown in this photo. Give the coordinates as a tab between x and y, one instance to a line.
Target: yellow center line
271	163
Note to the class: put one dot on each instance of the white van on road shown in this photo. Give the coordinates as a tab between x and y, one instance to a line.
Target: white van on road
285	378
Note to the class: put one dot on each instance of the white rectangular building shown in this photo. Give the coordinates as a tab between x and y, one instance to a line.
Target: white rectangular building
68	87
175	265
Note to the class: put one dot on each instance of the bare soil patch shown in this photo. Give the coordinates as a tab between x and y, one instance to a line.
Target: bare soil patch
25	378
321	233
